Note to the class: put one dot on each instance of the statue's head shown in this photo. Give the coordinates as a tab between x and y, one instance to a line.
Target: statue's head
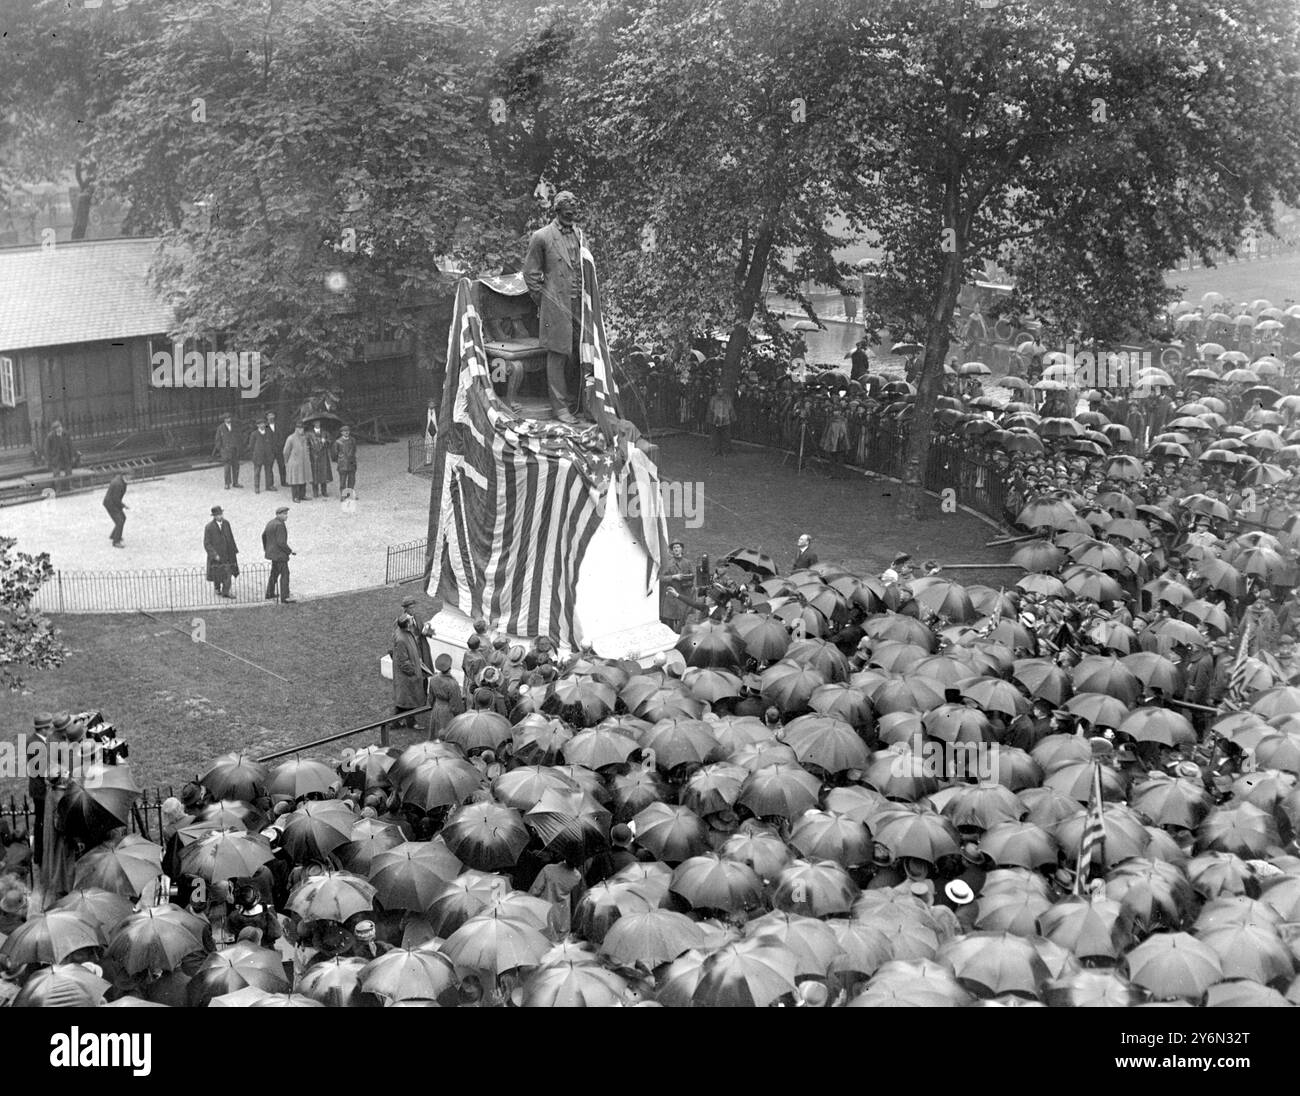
565	207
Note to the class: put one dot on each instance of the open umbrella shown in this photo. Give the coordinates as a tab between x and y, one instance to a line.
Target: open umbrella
709	881
97	800
332	982
710	684
50	937
317	828
233	969
651	938
1254	952
410	974
995	962
760	849
302	776
1091	928
1245	830
682	742
570	822
790	686
829	743
767	640
573	985
486	835
124	867
710	643
820	835
1091	989
495	944
926	836
748	974
593	697
101	908
1173	964
68	985
156	938
598	747
672	833
1019	844
411	875
441	781
369	837
226	854
784	791
235	776
481	729
752	560
331	896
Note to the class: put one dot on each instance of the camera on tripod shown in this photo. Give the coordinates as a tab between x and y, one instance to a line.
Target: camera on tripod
99	730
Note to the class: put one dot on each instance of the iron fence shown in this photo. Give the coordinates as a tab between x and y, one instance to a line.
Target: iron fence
406	562
419	456
159	589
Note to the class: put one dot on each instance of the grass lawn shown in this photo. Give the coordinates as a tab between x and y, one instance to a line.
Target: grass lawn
181	703
1277	280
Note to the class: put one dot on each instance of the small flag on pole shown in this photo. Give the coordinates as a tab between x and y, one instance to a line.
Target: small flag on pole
1094	835
1235	699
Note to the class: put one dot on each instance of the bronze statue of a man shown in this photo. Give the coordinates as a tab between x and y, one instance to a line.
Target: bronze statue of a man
553	273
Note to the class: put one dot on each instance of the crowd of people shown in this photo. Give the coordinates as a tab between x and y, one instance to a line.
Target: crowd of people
838	789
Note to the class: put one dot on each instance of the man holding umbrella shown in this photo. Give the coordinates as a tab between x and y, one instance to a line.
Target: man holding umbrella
223	555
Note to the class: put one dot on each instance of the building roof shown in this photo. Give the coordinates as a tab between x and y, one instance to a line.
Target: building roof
87	291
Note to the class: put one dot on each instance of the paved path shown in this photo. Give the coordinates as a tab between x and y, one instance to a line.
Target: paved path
337	550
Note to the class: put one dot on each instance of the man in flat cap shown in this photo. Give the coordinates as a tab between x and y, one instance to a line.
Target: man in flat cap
223	555
553	273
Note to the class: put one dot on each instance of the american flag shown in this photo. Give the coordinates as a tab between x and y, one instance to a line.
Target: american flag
1094	834
1235	698
516	502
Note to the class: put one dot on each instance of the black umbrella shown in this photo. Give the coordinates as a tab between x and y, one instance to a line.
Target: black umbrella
753	561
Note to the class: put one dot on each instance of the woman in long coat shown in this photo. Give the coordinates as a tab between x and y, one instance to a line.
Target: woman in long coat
445	695
297	463
409	672
321	473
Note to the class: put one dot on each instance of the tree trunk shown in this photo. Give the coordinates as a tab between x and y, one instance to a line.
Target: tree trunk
938	336
85	198
749	293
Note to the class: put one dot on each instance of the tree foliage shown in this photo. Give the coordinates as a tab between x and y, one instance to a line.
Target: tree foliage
27	639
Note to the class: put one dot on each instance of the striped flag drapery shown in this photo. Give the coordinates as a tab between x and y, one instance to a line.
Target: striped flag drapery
1235	698
1094	835
516	502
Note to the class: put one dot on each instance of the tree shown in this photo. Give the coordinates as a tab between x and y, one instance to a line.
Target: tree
708	143
308	165
1085	146
27	638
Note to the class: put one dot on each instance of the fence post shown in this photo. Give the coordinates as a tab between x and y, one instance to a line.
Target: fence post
58	575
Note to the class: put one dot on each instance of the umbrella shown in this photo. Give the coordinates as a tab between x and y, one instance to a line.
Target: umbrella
1254	952
1106	674
1091	928
790	686
1038	555
759	849
752	560
669	702
710	882
598	747
829	743
843	702
1125	836
821	835
458	900
302	776
1044	679
1016	912
331	896
593	697
481	729
50	937
101	908
1019	844
1171	801
235	968
710	643
711	685
369	837
334	982
1245	830
1244	995
767	641
995	962
407	974
926	836
983	806
411	875
682	742
1099	709
522	788
538	740
572	823
1158	725
156	938
441	781
781	790
125	867
495	944
1173	964
672	833
713	788
235	776
749	974
486	835
316	829
813	943
372	761
67	985
602	905
822	656
226	854
651	938
1091	989
573	985
97	801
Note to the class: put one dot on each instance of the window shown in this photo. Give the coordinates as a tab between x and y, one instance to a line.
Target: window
11	383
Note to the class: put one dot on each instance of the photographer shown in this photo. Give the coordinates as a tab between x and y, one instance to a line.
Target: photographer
111	749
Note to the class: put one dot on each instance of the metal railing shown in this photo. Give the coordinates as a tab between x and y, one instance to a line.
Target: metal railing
160	589
406	562
419	456
145	818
